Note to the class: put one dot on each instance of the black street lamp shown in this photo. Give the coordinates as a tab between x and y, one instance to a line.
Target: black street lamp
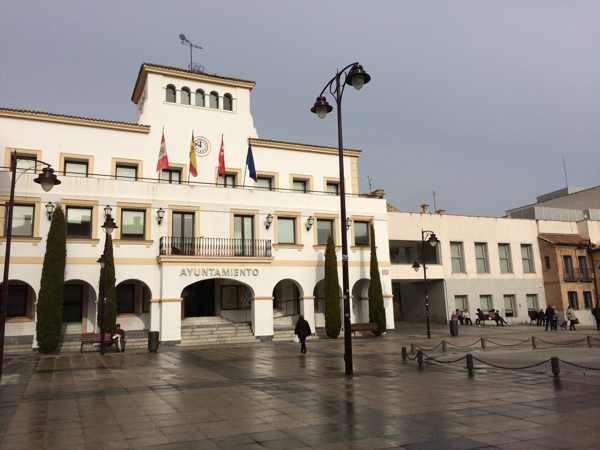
354	75
47	180
429	237
109	225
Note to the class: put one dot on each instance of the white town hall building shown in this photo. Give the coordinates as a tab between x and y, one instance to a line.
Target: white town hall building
242	251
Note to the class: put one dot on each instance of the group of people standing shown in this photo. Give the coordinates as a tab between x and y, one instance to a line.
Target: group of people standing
550	318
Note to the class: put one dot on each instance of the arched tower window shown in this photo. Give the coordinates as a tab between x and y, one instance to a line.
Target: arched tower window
199	97
185	96
228	102
214	100
170	95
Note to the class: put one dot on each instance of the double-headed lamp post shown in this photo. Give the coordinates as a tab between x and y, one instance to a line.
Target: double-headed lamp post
427	236
354	75
109	225
47	180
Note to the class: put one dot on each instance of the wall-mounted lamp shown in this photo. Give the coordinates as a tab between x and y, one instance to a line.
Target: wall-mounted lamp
309	222
107	210
268	221
348	223
160	215
50	209
109	224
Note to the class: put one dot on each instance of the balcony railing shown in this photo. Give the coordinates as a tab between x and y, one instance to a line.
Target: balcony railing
210	246
580	275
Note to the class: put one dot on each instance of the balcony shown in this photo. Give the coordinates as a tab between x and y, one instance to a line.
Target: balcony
214	247
579	276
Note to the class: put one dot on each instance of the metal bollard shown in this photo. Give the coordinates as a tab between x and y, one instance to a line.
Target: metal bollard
420	359
555	363
412	349
533	344
470	365
482	343
404	354
444	346
589	341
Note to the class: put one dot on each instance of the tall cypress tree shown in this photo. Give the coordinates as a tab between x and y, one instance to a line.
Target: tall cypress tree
52	283
333	321
376	308
107	288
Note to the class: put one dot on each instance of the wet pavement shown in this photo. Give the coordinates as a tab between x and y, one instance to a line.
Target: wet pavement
269	396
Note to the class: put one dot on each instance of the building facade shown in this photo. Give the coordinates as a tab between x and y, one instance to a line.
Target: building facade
480	262
186	247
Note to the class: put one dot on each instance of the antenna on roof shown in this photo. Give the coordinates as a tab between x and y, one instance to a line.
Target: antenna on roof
186	41
434	201
370	179
564	163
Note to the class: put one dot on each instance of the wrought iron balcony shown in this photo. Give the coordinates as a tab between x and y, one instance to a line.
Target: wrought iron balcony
211	246
579	275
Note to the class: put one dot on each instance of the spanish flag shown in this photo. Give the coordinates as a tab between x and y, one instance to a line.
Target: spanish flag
193	162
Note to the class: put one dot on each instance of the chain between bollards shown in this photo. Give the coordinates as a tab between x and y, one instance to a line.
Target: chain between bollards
444	346
589	341
482	343
555	363
420	358
470	366
404	354
533	344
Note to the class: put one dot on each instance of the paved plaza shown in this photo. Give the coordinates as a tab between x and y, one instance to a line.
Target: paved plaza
269	396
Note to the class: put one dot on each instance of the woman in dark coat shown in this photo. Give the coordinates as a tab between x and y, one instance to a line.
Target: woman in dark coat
302	331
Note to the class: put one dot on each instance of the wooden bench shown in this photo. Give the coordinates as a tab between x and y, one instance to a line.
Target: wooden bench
94	338
363	327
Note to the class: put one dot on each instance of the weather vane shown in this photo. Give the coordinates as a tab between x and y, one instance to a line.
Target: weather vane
186	41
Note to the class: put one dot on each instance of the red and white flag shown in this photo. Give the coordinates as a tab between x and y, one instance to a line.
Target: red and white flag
163	158
222	158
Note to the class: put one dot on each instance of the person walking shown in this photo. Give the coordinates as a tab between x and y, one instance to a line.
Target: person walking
596	314
302	331
571	319
549	317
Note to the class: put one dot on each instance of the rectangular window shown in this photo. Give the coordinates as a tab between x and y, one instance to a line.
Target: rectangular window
461	302
527	257
229	181
547	262
171	176
23	217
126	172
324	231
244	235
587	300
568	268
486	303
75	167
481	257
300	185
133	223
361	234
510	306
79	222
126	299
333	187
182	242
457	256
286	230
532	302
26	163
265	183
505	258
573	300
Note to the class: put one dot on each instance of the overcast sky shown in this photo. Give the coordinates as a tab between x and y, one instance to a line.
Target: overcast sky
474	99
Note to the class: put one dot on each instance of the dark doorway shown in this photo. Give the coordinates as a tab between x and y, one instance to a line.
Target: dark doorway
73	302
199	299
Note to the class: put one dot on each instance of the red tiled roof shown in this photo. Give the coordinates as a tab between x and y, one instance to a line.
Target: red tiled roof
564	239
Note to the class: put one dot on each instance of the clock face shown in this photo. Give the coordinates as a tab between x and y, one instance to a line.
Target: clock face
202	146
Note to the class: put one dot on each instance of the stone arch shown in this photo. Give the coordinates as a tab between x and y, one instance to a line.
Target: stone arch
79	307
224	297
21	300
360	300
133	304
319	295
287	295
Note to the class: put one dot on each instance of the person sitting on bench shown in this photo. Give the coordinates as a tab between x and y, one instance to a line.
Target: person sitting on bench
119	338
480	318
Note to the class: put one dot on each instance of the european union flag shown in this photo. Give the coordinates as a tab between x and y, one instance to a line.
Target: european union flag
250	163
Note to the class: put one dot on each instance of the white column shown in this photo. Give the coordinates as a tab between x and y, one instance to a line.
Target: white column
262	317
170	320
155	315
388	303
307	309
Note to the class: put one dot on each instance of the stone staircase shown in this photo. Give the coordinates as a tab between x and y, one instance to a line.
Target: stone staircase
198	331
71	340
283	334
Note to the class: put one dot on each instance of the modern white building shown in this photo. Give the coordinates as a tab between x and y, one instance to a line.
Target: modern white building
247	252
480	262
